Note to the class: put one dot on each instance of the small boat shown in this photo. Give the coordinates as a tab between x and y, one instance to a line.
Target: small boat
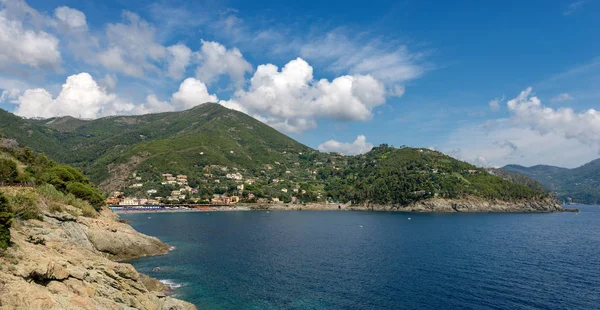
156	269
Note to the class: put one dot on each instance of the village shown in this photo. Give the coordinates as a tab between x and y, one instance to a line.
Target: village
220	185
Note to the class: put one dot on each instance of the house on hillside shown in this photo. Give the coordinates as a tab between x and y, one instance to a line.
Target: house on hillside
129	201
234	176
113	201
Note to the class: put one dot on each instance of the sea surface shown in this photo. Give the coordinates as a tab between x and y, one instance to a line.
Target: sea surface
378	260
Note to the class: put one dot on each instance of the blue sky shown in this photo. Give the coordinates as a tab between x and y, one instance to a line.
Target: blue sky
489	82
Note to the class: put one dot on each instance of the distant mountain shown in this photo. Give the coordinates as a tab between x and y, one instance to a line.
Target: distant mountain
578	185
222	151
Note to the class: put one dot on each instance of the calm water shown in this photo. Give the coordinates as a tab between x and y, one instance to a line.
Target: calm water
376	260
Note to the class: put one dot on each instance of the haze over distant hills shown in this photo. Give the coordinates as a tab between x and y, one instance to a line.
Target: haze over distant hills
577	185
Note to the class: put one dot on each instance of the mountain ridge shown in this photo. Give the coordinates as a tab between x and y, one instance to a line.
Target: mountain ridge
575	185
226	152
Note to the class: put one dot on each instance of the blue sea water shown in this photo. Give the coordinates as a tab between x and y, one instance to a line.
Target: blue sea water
378	260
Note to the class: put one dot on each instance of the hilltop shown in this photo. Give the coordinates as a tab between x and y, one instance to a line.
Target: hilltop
577	185
221	152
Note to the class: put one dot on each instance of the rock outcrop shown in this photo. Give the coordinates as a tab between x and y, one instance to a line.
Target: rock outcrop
466	204
68	262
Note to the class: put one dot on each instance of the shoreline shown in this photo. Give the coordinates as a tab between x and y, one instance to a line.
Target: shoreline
430	206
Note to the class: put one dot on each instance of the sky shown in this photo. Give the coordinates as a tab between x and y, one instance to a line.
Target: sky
488	82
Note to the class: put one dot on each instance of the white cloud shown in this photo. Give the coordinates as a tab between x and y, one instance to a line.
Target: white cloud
215	60
10	95
131	47
30	47
290	100
80	97
359	146
495	103
561	98
501	143
534	134
389	63
114	60
179	58
109	82
71	18
191	93
527	110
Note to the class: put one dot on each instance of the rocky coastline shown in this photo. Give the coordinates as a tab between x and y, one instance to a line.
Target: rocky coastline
74	262
466	204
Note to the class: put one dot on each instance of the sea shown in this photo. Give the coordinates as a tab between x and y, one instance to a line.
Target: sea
377	260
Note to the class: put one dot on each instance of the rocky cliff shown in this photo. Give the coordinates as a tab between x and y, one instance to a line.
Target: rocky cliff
64	261
465	204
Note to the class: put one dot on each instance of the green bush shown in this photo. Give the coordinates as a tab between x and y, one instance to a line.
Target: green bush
86	192
56	198
8	171
24	206
5	222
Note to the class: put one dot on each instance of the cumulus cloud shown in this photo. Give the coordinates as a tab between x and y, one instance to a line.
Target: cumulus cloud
179	58
561	98
26	46
502	143
290	100
131	47
10	95
80	97
215	61
534	134
528	110
109	82
359	146
192	92
71	18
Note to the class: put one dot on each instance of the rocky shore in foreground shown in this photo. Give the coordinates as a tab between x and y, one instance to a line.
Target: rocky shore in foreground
72	262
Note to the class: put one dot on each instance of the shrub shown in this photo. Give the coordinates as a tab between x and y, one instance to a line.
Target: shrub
57	198
8	171
5	222
86	192
24	206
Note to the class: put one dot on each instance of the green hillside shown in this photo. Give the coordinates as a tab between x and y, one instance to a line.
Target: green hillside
578	185
222	151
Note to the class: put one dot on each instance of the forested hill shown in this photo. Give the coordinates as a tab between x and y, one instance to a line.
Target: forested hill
388	175
219	150
578	185
178	142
